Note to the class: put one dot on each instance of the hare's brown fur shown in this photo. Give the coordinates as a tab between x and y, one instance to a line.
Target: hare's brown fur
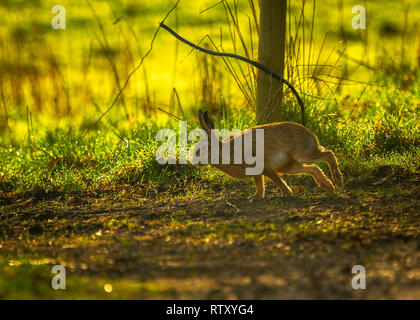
288	148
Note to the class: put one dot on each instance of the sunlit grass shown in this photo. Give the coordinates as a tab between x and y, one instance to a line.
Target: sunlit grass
58	82
73	76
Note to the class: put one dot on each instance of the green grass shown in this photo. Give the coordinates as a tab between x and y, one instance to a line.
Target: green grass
47	139
63	159
382	129
25	279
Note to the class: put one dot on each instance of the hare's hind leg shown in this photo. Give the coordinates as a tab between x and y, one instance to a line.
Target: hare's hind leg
330	158
320	178
278	181
259	185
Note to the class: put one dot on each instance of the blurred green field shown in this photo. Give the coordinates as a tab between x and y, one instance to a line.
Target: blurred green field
70	76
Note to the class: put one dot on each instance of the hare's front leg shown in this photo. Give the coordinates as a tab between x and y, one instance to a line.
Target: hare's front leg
278	181
259	185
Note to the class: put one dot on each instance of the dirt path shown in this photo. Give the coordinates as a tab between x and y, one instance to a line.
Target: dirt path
216	246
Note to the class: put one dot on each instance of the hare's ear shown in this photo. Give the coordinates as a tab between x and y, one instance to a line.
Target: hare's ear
208	120
203	123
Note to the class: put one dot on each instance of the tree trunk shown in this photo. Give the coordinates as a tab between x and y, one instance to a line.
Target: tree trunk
271	54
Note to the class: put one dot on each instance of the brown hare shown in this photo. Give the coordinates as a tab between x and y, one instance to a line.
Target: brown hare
288	148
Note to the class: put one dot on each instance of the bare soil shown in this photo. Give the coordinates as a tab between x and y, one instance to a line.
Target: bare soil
214	243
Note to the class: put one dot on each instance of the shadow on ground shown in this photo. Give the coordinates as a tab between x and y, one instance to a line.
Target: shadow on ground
216	244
